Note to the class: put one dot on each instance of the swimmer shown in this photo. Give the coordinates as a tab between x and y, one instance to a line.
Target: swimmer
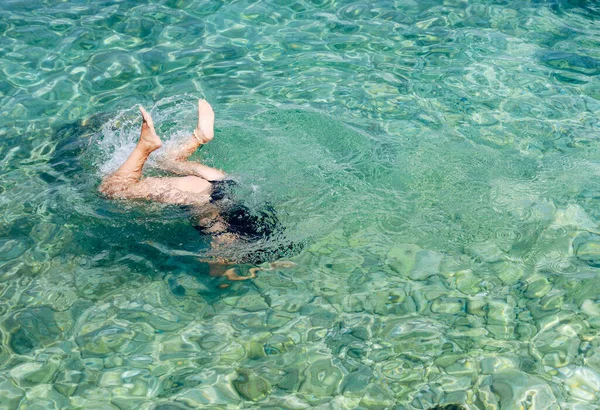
199	189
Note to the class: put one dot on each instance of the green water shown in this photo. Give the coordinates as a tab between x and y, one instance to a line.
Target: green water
438	159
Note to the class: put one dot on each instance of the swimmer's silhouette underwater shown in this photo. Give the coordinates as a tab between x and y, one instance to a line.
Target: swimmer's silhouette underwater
202	191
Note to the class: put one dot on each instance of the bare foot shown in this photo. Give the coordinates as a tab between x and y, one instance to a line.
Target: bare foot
282	264
148	135
205	130
232	275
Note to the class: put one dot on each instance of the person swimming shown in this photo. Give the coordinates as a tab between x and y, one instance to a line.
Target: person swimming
203	192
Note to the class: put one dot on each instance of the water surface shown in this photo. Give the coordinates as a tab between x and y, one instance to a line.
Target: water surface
438	159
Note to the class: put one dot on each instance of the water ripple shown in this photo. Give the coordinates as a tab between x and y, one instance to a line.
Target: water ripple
437	159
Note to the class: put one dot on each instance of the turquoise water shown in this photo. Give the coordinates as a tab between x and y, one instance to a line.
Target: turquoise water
440	160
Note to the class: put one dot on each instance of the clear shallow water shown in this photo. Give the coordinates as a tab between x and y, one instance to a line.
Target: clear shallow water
439	159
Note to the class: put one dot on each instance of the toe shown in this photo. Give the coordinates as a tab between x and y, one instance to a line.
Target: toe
203	106
146	117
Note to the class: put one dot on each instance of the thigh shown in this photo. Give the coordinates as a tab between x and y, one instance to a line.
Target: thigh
190	168
187	190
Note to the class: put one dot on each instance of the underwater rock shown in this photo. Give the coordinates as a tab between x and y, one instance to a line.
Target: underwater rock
457	397
255	345
278	344
105	340
182	347
486	252
352	303
271	279
232	353
211	342
553	253
419	337
361	327
492	365
448	407
370	239
574	216
11	394
446	305
169	406
321	315
355	384
111	378
252	302
67	382
525	331
285	300
247	320
382	354
129	403
537	287
454	384
159	320
277	319
463	366
554	300
402	369
467	282
591	308
95	284
174	381
517	389
335	240
216	389
44	374
291	380
43	396
587	249
582	383
251	386
32	328
200	397
501	312
427	263
571	62
343	263
485	398
322	379
508	272
377	398
385	302
501	332
558	341
13	248
477	306
402	258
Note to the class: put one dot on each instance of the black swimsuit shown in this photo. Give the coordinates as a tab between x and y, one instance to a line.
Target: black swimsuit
248	225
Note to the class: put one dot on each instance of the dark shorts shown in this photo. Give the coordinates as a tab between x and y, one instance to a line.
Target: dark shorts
250	226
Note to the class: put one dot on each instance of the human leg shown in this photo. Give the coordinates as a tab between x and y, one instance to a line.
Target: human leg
217	269
127	183
176	159
130	172
188	190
